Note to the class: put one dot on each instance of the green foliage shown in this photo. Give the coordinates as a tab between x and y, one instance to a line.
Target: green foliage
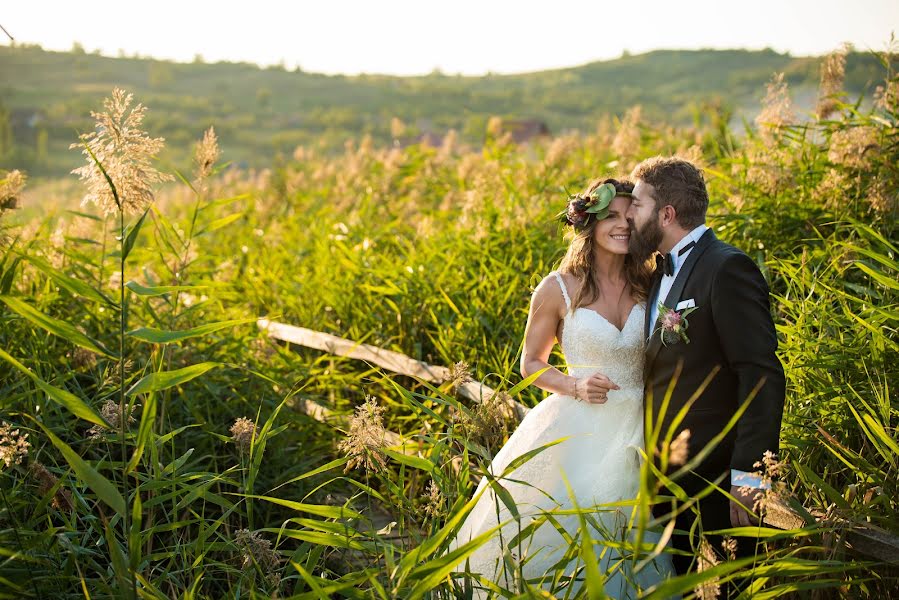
223	488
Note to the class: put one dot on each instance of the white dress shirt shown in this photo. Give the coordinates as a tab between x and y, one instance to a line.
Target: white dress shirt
668	280
738	478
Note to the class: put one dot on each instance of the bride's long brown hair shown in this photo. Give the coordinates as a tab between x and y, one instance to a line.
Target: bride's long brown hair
578	260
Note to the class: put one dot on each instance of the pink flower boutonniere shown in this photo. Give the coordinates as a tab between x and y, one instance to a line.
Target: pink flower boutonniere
673	324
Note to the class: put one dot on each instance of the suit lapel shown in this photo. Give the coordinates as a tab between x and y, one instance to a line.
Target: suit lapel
651	297
655	342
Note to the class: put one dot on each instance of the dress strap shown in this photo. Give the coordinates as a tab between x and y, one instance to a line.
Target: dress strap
564	291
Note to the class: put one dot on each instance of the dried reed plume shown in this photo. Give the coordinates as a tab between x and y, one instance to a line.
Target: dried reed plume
254	549
112	414
729	545
706	559
770	471
366	438
206	153
458	374
777	110
883	197
854	147
833	71
886	96
626	144
397	128
679	449
771	166
435	500
125	152
10	188
47	482
494	127
13	445
82	358
489	422
243	432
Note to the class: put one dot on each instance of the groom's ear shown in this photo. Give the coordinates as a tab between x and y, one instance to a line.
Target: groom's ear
667	216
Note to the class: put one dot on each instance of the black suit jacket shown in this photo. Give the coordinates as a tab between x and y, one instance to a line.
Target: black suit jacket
731	330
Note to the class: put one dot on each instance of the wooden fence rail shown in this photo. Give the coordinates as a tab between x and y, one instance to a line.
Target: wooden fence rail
387	359
864	538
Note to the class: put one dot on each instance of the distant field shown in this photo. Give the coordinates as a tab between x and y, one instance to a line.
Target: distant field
261	114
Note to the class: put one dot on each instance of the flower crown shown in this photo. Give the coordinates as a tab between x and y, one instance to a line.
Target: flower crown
581	208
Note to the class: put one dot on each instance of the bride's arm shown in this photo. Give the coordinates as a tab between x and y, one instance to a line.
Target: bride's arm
544	316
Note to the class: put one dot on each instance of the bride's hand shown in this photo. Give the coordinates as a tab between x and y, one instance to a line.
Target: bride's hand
594	389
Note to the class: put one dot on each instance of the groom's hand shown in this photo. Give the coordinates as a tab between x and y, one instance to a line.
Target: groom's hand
595	389
745	499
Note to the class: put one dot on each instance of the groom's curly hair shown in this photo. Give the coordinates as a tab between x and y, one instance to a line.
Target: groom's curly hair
677	182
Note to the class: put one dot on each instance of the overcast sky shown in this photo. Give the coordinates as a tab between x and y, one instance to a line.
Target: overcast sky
471	37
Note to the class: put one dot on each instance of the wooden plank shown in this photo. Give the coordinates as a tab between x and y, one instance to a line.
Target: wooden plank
387	359
392	361
863	538
874	542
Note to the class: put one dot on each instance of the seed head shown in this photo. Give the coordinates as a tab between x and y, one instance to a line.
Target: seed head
254	549
397	128
883	197
854	147
10	188
495	127
206	154
833	70
459	373
125	151
626	144
435	500
777	110
112	414
243	432
46	481
13	445
366	438
729	545
679	449
886	96
489	421
709	589
82	358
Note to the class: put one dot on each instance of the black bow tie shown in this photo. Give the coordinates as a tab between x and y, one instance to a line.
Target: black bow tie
665	262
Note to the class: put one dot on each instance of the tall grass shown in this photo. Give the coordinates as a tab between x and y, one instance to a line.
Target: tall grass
432	252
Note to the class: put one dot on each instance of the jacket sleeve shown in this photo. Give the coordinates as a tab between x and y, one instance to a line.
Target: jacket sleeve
742	315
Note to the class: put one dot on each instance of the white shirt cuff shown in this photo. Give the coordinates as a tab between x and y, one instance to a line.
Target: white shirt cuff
743	479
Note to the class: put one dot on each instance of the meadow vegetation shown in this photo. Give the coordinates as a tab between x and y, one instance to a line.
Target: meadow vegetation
150	439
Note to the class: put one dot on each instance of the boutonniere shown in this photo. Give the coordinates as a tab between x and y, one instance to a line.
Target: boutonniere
673	324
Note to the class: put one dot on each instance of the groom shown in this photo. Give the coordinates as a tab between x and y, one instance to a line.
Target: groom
728	347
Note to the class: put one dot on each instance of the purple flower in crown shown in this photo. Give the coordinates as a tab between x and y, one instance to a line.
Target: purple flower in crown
581	209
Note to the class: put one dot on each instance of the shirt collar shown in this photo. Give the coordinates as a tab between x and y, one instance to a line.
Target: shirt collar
692	236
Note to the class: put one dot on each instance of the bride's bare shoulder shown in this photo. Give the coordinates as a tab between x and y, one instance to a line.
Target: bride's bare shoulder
549	292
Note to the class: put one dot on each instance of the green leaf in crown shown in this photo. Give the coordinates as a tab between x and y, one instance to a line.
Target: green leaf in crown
600	199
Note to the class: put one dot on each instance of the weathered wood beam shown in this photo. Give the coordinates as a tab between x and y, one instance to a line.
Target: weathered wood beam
387	359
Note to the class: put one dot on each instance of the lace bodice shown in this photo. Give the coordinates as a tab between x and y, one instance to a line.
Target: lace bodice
591	343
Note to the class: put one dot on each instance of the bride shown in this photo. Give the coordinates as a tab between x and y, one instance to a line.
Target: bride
594	306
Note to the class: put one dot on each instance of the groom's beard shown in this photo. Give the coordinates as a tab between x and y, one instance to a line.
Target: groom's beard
645	240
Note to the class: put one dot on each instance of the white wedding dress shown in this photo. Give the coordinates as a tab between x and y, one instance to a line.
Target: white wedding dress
600	461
